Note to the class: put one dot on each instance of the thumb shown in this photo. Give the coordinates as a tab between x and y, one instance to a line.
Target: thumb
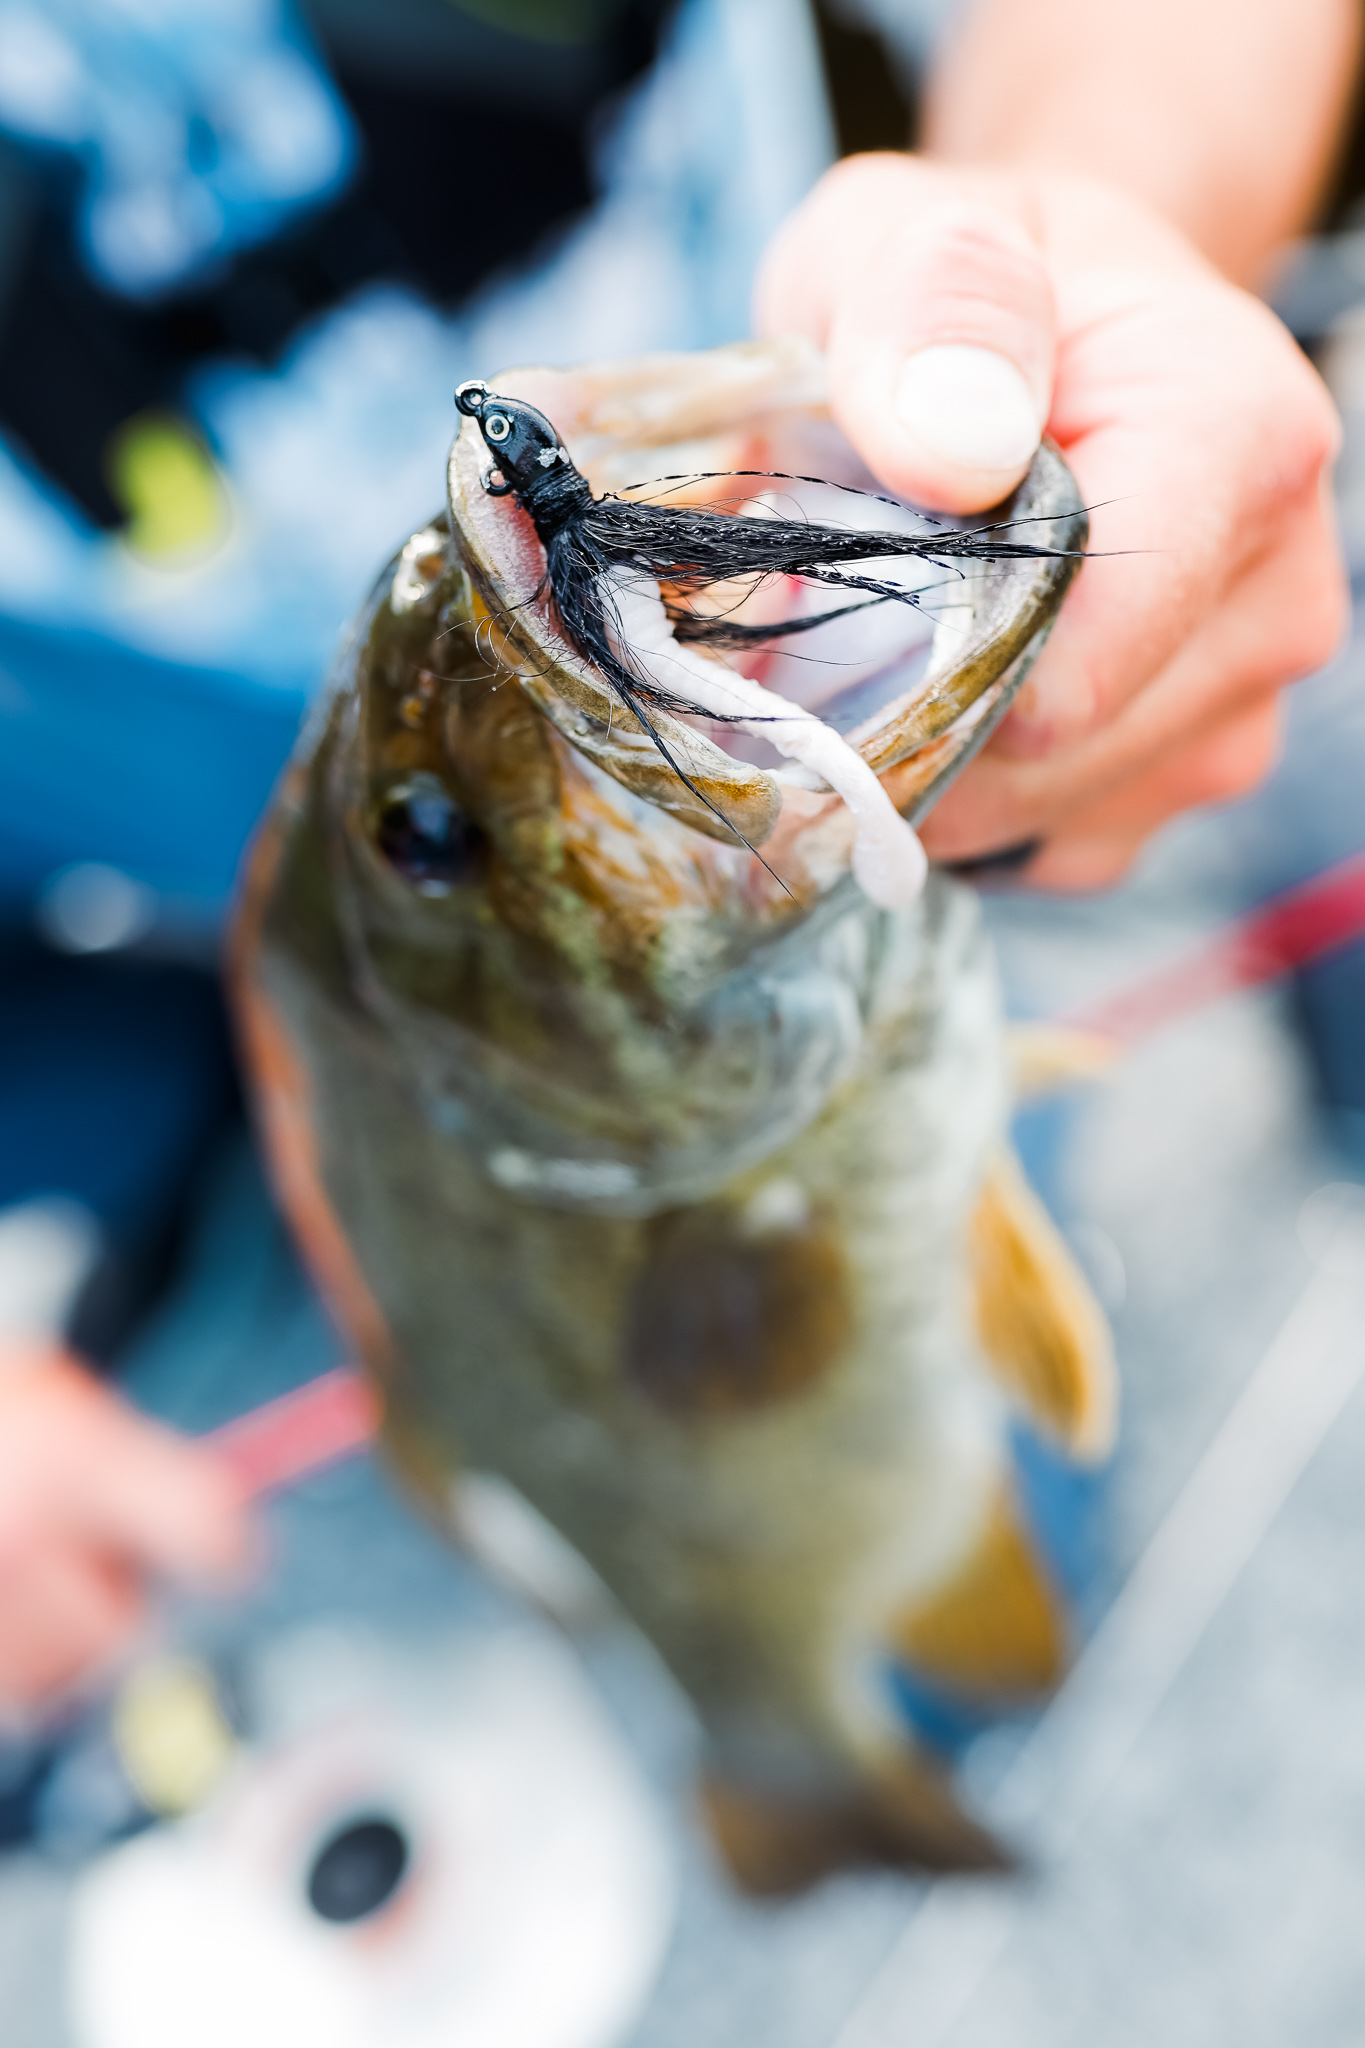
937	321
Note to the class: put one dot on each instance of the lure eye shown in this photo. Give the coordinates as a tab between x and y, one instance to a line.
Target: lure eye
422	833
497	426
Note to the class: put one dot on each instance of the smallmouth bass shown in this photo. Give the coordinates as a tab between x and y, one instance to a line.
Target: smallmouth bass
663	1175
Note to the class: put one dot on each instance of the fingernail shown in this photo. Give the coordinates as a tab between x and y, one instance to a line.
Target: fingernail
968	406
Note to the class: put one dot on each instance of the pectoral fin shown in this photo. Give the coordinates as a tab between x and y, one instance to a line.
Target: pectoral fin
907	1817
1039	1324
996	1630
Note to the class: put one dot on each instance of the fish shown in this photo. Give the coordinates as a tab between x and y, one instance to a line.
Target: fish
656	1170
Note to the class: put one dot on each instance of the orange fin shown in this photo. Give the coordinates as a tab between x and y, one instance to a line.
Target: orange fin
908	1818
997	1628
1039	1324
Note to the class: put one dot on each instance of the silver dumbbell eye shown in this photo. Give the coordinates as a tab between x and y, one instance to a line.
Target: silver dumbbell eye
497	426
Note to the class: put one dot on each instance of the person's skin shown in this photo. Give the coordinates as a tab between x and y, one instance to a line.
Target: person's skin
1099	185
96	1503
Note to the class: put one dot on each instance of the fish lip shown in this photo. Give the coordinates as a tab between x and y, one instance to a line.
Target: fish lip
1006	641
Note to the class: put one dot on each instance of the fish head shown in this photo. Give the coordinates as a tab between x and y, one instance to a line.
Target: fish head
913	687
617	983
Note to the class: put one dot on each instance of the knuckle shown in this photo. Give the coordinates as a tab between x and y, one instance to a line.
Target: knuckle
976	247
873	179
1316	642
1318	420
1082	864
1312	629
1227	781
1308	449
1238	763
1306	436
967	272
1269	407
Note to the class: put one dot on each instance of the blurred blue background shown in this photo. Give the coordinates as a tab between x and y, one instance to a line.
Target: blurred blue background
244	259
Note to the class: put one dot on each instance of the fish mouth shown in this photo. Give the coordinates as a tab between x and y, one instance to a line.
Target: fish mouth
916	704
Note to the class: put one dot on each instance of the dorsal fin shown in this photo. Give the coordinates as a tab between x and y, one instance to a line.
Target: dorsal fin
996	1630
1040	1326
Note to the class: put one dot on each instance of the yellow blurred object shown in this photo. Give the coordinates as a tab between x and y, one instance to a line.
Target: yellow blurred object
171	1735
1047	1056
164	477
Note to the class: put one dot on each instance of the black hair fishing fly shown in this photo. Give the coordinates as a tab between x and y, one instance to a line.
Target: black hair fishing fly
684	547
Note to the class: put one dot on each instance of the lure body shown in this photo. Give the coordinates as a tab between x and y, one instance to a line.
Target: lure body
663	1183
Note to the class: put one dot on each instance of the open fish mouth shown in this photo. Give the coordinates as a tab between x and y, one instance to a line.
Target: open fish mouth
628	939
905	692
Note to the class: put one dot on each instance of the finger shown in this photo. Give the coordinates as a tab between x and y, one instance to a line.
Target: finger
63	1618
128	1486
168	1506
1099	846
1204	447
1282	620
935	312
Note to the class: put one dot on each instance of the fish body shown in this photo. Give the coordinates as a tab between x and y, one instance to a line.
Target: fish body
659	1176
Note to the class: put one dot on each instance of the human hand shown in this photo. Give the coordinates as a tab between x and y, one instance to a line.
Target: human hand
94	1500
1198	434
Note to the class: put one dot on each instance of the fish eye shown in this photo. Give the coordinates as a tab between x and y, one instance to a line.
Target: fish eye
423	834
497	426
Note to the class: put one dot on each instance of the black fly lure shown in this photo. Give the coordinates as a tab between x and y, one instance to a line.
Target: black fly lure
684	547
